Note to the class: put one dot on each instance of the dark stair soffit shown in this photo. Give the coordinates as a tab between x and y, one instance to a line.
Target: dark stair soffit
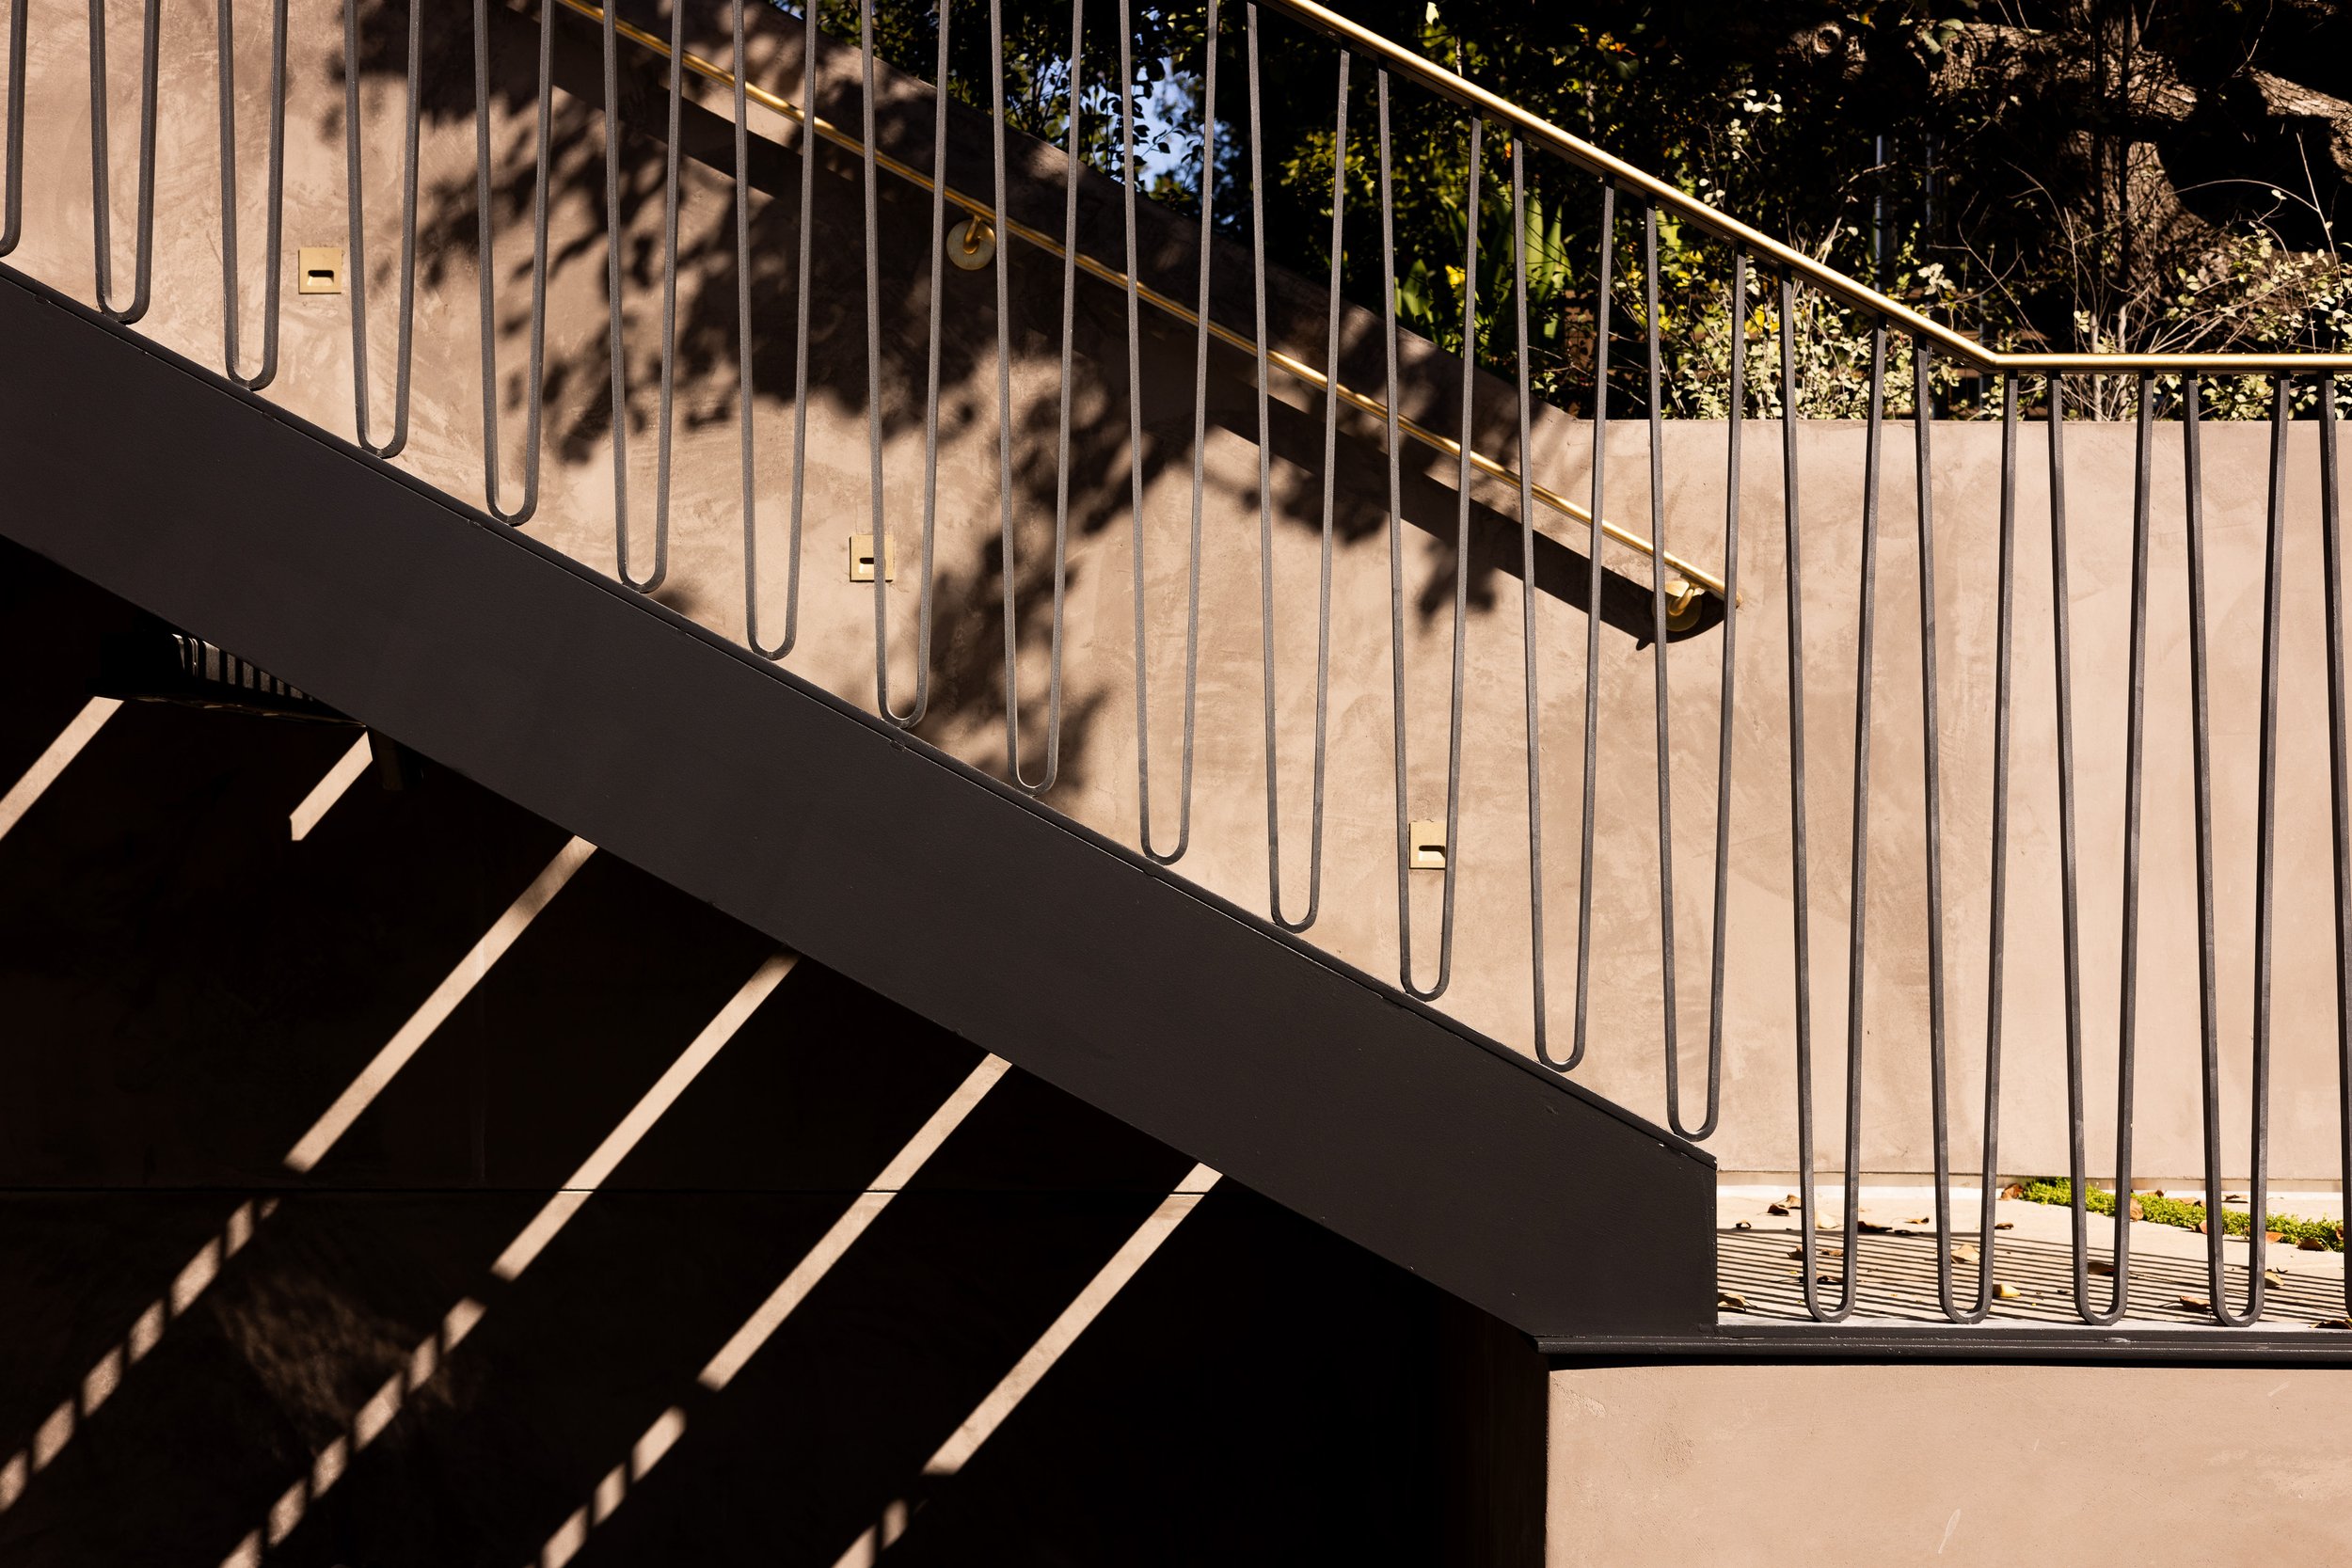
738	784
156	664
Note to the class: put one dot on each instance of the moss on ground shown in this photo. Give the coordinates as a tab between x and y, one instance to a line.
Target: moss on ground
2158	1209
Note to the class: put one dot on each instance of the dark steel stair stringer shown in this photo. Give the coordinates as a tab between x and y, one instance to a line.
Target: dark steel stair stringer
921	878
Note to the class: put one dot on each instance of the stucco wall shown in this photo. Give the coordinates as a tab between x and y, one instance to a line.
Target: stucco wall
1229	853
1858	1467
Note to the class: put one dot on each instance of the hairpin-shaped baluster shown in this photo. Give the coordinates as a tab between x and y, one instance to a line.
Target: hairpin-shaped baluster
100	166
1266	500
275	196
356	201
920	703
485	222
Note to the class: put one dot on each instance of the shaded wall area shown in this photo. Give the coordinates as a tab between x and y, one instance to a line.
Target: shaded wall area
200	1339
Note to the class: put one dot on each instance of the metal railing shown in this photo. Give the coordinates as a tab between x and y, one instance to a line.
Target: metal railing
1674	581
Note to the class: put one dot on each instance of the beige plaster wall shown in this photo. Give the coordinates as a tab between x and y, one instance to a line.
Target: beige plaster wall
1876	1466
1628	998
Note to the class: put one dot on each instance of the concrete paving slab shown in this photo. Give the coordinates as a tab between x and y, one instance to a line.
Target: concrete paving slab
1758	1261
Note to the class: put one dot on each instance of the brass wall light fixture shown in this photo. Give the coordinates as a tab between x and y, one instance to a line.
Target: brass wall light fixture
319	269
862	559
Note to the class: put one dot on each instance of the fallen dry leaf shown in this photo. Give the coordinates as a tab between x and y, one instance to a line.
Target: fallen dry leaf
2140	1214
1730	1301
2004	1224
2007	1292
2311	1243
2015	1189
1818	1252
2101	1266
1776	1207
2232	1197
2333	1322
1873	1227
1964	1253
2272	1236
1741	1224
2196	1304
1923	1219
2273	1278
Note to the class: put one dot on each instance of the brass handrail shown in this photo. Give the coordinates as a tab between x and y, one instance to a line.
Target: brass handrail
1290	365
1576	149
1828	278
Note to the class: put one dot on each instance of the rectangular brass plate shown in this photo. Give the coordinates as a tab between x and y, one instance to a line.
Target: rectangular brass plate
320	269
862	559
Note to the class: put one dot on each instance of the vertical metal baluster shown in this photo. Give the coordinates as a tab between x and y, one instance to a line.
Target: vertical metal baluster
1527	608
878	514
355	200
2339	775
2265	849
1200	450
1594	570
225	16
12	197
2135	748
670	199
1458	705
2201	751
616	341
1800	921
1134	415
613	136
1266	533
1858	909
101	215
1396	600
1724	712
535	400
2208	1001
809	83
1996	917
1669	992
746	451
1062	448
2263	891
922	699
1323	584
1922	423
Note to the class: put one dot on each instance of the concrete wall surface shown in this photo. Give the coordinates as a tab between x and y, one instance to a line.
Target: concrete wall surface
1880	1467
1631	999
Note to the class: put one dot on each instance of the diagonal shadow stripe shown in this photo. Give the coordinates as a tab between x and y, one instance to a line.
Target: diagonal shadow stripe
366	1424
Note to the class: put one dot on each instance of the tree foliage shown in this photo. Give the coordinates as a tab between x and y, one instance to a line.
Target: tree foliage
2091	174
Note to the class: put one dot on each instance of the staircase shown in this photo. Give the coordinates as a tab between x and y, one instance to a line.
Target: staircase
826	829
1039	641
